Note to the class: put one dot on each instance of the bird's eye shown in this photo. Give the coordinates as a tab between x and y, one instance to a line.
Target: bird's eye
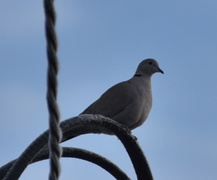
150	63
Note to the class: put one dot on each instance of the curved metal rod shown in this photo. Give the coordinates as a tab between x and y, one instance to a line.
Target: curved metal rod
80	154
88	156
81	125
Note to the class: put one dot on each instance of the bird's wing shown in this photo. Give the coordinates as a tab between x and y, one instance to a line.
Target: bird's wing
113	101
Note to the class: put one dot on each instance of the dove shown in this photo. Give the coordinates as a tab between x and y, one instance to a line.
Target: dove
129	102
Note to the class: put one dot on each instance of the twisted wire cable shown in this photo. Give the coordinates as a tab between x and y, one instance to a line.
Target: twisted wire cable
55	133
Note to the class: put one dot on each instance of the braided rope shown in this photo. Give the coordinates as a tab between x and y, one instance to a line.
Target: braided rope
54	129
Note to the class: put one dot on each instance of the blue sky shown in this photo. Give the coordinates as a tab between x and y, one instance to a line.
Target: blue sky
100	44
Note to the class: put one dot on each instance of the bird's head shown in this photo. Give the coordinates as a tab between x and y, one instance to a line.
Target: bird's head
148	67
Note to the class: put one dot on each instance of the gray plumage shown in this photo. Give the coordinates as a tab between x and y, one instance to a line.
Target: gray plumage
128	102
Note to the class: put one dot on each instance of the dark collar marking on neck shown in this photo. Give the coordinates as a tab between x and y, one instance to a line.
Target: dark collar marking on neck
138	75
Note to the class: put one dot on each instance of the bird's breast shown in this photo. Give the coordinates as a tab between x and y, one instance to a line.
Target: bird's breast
143	102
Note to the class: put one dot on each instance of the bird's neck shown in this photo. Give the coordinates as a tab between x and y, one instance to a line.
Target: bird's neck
142	79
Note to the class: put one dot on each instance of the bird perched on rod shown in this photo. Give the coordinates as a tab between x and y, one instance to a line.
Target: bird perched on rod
128	102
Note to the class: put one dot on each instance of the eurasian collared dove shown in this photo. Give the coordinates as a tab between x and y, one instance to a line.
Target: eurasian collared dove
128	102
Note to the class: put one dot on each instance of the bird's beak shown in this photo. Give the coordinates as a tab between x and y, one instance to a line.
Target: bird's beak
159	70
